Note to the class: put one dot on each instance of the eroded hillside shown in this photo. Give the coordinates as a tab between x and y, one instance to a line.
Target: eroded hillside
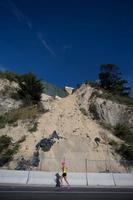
82	142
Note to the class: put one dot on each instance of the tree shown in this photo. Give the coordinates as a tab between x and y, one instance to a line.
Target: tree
30	89
111	80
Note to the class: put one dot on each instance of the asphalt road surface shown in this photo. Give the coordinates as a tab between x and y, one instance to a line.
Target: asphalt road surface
71	193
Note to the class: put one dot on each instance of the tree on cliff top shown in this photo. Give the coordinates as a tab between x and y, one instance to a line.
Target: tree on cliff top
30	89
111	80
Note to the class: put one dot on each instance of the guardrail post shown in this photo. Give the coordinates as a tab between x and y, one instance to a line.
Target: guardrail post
113	179
86	167
28	177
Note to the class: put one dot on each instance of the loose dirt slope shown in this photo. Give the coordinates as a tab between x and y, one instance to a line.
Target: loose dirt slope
77	144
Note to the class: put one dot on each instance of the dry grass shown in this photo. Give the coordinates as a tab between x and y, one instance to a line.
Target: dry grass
23	113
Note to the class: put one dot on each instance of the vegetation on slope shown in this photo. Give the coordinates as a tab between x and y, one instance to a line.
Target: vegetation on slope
26	82
123	132
23	113
7	149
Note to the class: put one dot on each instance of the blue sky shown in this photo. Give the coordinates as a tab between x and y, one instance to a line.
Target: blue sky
65	41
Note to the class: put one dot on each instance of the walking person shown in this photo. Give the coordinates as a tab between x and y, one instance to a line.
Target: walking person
64	173
57	180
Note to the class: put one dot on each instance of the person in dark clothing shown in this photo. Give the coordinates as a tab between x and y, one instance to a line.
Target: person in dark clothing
57	180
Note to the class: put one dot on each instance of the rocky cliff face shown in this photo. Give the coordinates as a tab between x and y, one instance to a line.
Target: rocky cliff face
81	137
107	111
111	113
7	101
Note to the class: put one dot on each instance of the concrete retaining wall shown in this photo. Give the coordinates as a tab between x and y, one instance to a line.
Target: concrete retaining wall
75	179
46	178
100	179
13	176
123	179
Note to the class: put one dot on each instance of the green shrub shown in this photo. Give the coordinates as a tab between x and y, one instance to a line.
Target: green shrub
113	143
15	148
122	131
8	155
11	76
7	119
5	141
126	151
34	127
3	121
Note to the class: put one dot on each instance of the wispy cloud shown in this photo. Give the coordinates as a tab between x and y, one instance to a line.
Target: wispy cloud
44	43
19	14
22	18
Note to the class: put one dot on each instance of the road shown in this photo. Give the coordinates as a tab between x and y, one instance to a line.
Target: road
49	193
